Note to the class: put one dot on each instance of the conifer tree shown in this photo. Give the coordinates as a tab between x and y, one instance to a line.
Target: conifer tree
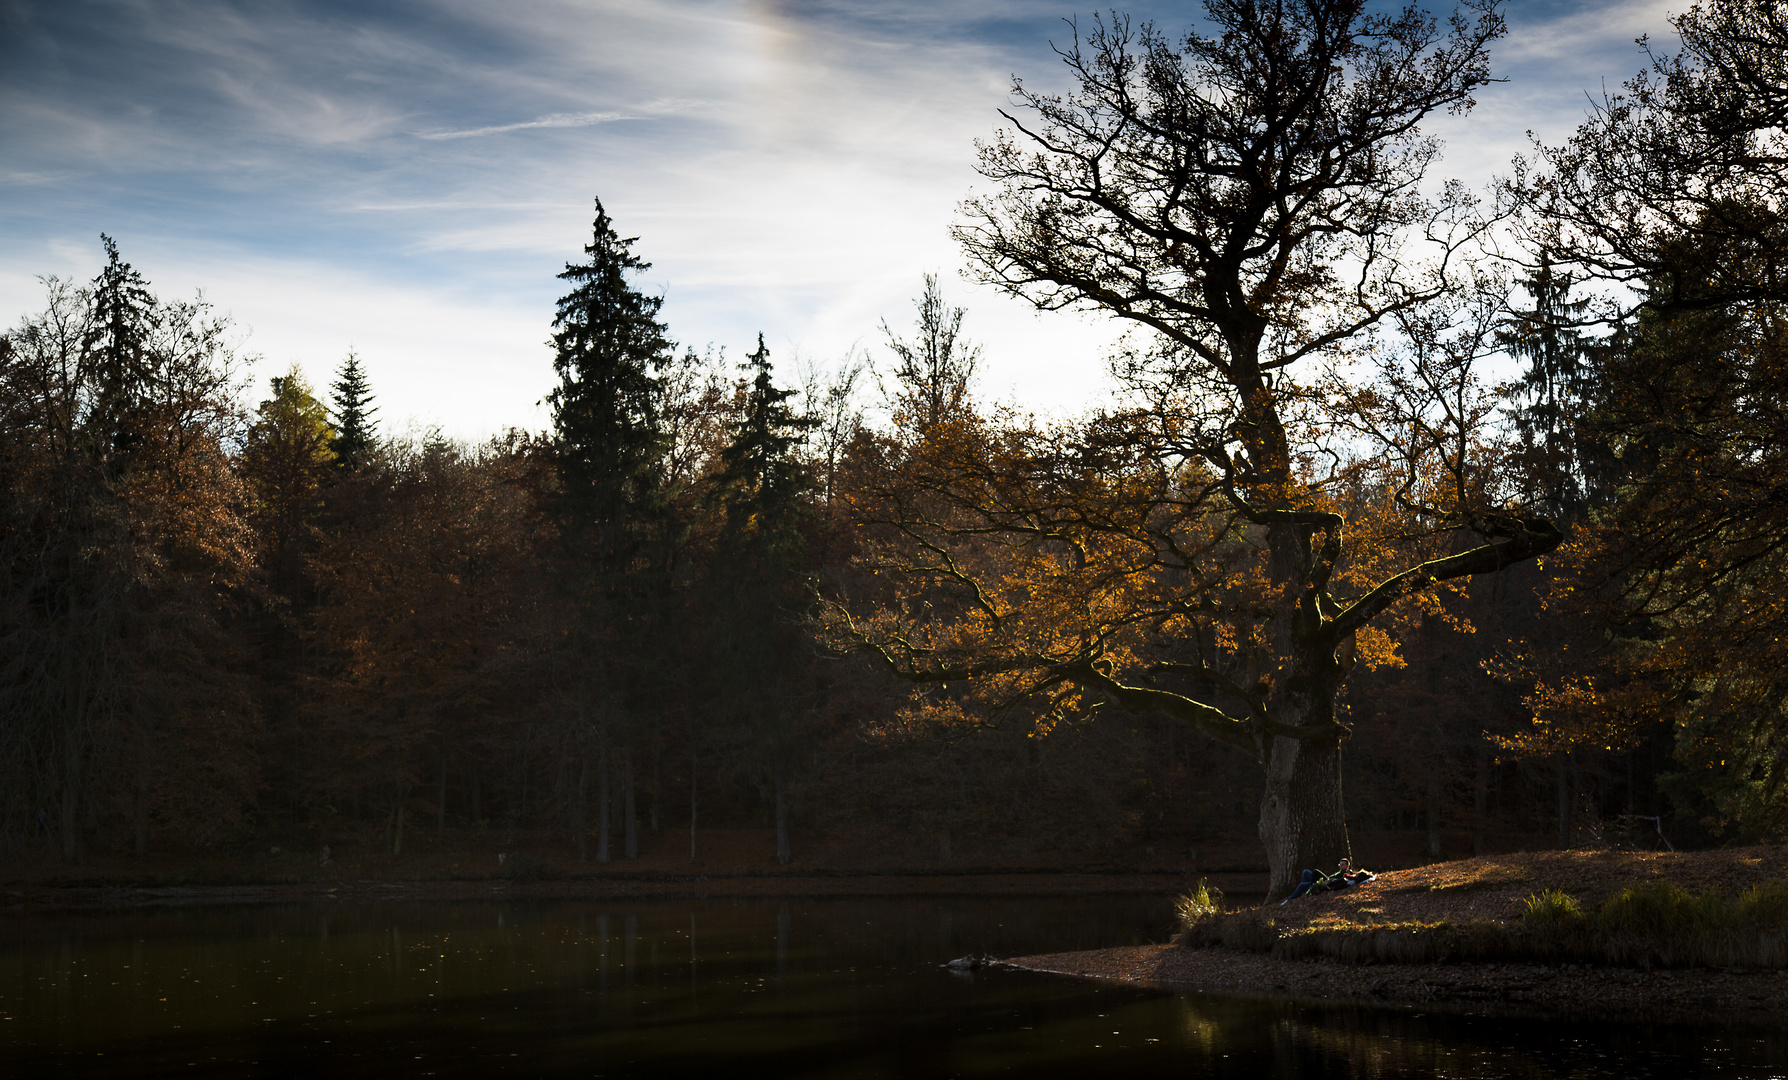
762	480
608	343
757	578
352	398
115	344
285	461
1555	388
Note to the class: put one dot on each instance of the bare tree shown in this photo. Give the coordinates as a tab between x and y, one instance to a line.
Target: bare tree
935	368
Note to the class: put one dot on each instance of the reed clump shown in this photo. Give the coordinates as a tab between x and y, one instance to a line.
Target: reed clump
1204	901
1653	924
1204	923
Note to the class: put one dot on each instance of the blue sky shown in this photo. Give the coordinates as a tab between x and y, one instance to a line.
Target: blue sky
405	178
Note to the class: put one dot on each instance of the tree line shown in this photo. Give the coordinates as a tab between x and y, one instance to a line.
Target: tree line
1314	519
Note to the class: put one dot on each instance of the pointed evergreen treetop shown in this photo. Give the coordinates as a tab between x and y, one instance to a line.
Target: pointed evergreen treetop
761	479
352	398
117	337
607	344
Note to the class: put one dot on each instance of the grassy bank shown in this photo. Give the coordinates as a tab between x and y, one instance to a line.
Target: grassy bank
1526	908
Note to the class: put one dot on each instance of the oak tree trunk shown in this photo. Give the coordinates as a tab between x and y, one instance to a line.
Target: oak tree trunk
1301	822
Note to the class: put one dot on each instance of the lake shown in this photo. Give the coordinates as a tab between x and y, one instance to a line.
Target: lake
798	987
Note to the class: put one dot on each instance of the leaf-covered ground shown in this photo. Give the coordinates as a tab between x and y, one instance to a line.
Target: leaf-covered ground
1489	888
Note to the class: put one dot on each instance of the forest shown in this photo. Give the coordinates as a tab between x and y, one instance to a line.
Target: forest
1420	522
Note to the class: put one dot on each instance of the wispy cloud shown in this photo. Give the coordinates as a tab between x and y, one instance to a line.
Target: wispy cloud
797	167
556	120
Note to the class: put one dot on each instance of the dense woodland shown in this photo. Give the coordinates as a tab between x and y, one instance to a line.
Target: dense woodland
1457	519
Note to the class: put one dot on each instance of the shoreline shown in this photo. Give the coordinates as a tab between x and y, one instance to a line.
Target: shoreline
1363	945
23	900
1746	997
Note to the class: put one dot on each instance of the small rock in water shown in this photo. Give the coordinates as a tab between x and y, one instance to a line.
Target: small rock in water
970	963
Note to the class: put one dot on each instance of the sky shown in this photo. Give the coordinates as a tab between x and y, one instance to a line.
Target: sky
405	178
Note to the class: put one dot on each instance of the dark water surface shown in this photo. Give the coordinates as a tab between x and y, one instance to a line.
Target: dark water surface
719	988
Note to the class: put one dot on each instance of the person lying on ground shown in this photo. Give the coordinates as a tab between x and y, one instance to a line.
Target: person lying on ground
1317	881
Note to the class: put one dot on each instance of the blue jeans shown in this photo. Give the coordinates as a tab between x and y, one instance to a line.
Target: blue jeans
1303	887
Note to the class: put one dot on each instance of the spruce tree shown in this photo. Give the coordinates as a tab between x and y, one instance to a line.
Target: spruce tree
116	341
351	396
609	443
763	484
607	344
1555	388
758	578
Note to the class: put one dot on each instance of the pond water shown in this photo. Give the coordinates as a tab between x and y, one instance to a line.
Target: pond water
800	988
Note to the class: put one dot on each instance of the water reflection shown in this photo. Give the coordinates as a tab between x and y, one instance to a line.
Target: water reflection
790	987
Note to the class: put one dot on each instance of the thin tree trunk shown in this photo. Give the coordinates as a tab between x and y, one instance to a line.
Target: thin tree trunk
477	814
692	807
629	818
657	782
1480	801
602	797
441	802
73	850
1564	805
1432	798
397	839
782	847
139	809
580	811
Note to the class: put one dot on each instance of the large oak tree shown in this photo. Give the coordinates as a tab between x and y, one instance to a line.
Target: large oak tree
1248	199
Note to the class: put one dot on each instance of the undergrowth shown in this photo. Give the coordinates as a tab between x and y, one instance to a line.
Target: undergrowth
1654	924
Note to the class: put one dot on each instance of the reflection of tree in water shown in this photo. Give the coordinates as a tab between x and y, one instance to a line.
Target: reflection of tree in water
1304	1049
1243	1037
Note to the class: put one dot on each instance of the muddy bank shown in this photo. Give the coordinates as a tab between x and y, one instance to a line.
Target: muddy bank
1744	997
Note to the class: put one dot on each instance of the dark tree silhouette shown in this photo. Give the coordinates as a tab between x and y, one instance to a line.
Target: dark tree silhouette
608	345
355	429
758	578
